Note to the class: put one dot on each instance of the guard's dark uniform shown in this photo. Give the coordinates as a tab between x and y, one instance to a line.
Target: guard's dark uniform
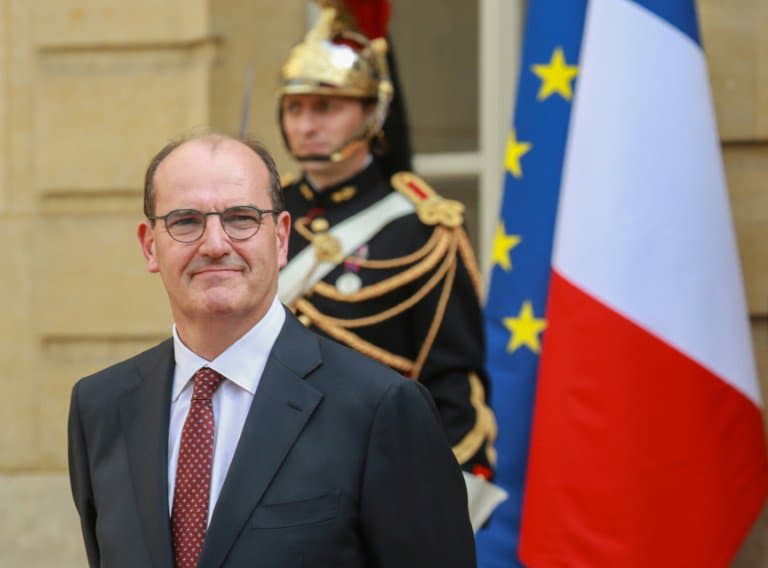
423	318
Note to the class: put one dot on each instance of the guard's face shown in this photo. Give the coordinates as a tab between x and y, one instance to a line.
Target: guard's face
320	125
215	276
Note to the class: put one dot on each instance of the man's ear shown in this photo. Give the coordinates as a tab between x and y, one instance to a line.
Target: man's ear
283	232
146	236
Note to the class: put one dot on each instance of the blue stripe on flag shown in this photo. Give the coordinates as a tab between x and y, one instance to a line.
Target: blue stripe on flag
522	254
681	15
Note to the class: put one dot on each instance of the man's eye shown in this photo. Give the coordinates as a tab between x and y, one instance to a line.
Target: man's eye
242	218
185	221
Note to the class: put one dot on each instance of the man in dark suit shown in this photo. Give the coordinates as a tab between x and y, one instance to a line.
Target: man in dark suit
245	439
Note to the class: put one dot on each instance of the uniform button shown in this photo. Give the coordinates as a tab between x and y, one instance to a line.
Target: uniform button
319	225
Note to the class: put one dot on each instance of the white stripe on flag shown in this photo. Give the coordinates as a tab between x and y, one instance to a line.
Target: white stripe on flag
644	221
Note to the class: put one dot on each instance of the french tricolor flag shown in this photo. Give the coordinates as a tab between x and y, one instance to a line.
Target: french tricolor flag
647	444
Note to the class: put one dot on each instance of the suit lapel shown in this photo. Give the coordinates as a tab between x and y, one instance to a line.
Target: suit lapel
144	415
281	407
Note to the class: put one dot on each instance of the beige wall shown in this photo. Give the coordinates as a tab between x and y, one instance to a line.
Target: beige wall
89	89
735	35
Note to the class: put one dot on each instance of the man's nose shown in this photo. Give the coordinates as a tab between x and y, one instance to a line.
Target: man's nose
306	121
214	242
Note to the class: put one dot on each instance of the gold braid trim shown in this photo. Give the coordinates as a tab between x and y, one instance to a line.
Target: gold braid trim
301	227
405	304
354	341
484	430
465	249
393	282
439	233
439	314
434	240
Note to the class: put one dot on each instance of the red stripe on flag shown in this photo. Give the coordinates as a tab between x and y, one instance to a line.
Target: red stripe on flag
639	456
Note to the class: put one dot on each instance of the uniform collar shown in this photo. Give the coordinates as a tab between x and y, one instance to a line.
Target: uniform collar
359	186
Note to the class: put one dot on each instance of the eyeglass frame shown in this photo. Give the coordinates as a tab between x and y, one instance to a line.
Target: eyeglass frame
261	212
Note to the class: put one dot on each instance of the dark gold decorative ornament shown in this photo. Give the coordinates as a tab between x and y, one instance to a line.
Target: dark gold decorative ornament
304	319
344	194
327	247
306	192
438	211
431	208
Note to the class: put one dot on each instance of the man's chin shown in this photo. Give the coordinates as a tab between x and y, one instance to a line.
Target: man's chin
218	300
217	310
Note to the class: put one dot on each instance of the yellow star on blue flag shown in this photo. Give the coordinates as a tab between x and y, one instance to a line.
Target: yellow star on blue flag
515	151
525	329
556	76
502	245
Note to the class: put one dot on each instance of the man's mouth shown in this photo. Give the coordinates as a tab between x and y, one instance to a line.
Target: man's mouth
312	149
213	270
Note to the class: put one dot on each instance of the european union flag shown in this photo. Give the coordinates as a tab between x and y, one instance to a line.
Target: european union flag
522	248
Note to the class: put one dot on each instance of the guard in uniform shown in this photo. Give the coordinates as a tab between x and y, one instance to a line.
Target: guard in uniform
381	264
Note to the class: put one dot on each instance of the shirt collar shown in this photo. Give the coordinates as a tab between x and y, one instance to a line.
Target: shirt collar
242	362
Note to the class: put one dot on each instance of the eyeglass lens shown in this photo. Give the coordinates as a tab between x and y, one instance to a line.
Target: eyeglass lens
187	225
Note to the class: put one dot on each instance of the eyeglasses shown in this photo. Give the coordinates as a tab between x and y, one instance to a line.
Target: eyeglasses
239	223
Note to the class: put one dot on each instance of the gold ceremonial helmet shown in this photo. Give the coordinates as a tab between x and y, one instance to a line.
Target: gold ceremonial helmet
335	60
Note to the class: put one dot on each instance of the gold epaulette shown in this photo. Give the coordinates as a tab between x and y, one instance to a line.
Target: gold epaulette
431	208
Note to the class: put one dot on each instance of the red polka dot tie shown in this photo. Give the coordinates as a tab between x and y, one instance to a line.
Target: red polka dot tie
189	515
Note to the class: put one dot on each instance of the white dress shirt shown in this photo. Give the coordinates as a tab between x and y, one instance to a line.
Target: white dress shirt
242	365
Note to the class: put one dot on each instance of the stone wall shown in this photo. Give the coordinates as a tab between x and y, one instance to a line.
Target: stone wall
735	38
89	90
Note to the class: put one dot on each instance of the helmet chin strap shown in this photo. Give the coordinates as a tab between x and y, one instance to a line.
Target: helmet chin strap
342	152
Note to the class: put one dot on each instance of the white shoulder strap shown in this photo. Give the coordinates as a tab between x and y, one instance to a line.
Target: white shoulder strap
295	277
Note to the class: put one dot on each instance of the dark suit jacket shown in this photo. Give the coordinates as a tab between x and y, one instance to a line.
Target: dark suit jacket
341	462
